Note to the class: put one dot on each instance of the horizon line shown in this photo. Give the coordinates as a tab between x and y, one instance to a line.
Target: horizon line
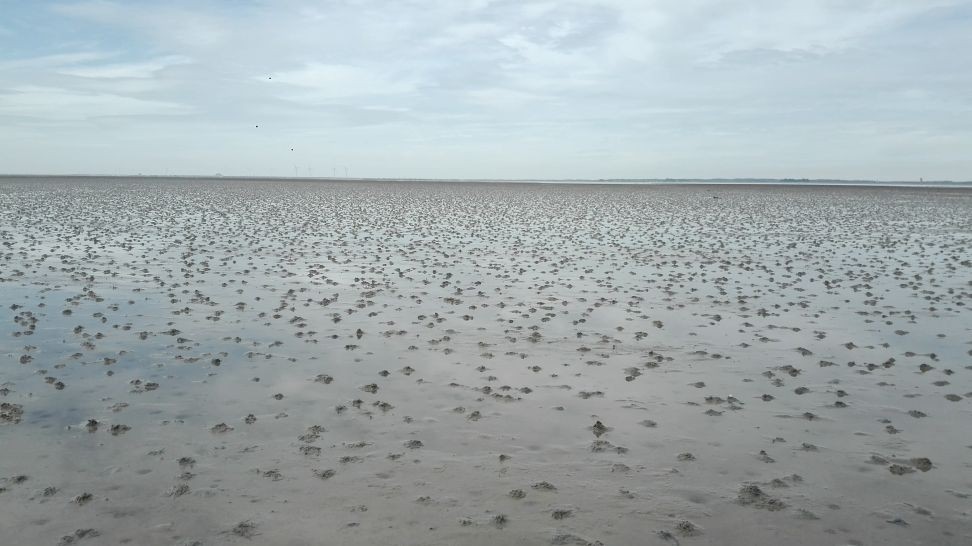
606	181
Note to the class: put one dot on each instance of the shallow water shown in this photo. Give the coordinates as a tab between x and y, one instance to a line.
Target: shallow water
543	308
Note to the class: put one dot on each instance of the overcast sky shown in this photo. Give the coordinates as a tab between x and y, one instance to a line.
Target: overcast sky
876	89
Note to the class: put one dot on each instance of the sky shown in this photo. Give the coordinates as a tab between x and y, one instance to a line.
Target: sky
850	89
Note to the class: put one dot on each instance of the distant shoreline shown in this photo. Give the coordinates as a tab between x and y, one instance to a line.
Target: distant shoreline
576	181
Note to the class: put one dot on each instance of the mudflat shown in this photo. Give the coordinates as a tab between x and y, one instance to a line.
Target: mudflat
203	362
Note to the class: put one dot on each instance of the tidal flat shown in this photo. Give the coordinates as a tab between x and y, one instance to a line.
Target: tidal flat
207	362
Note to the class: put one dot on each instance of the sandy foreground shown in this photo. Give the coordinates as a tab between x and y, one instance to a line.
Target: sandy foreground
245	362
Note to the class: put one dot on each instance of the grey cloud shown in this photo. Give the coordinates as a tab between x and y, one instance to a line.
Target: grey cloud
514	88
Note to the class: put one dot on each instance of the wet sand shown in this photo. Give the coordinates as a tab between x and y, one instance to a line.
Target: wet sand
266	362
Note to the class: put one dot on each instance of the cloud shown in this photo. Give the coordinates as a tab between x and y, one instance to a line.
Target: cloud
163	21
503	98
64	104
53	61
334	81
139	70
